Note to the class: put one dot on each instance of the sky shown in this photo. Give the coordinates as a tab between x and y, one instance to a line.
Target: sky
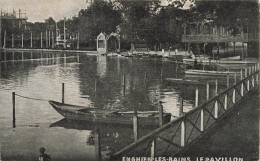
39	10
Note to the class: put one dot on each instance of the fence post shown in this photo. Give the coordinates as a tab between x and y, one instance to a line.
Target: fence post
228	80
12	40
135	126
216	110
241	74
216	88
201	120
13	100
245	72
153	148
197	97
63	92
235	78
97	145
226	101
249	70
181	106
41	39
124	84
207	91
248	85
160	113
22	40
31	40
234	96
183	133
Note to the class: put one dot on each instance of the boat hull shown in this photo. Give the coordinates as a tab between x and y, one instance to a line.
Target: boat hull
144	118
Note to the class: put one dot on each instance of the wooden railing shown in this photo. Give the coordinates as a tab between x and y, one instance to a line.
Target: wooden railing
203	38
173	137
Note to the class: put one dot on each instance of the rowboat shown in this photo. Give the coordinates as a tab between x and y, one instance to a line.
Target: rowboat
96	115
208	73
183	81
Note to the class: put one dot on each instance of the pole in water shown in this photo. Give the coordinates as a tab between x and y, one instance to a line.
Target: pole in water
207	91
13	100
63	92
235	79
181	105
160	113
227	80
97	145
135	126
124	84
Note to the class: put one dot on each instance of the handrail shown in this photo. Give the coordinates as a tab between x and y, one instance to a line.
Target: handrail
203	106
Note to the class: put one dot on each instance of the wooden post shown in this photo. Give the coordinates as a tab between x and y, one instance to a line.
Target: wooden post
13	55
49	38
227	80
124	84
201	120
241	74
197	97
234	96
248	85
46	34
78	41
95	87
78	58
135	126
153	149
13	100
249	71
12	40
53	42
160	113
22	56
235	78
207	91
245	72
216	87
97	145
41	39
183	133
242	50
31	40
216	110
4	40
181	106
63	90
22	40
225	102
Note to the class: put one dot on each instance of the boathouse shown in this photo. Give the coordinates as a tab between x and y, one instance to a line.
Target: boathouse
208	38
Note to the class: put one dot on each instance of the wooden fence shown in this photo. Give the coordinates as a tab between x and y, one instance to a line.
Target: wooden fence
173	137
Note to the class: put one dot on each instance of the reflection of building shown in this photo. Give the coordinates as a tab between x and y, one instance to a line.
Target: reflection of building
15	20
101	66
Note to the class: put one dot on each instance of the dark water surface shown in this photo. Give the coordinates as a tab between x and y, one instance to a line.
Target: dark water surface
89	81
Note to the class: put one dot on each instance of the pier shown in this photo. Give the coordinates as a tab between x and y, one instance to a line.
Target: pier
173	138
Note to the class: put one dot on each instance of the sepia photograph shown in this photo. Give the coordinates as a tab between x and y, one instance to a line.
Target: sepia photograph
129	80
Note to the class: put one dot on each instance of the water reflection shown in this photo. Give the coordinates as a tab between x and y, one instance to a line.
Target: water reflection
112	137
103	82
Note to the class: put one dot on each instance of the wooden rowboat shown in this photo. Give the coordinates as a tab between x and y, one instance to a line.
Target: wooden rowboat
208	73
73	112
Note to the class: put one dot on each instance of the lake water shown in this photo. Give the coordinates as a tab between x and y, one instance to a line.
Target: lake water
90	80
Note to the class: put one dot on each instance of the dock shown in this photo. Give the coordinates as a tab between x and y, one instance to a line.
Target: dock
175	137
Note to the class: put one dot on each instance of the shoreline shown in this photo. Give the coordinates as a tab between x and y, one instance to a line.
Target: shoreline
49	50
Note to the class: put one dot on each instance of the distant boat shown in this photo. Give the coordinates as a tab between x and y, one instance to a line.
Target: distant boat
208	72
96	115
183	81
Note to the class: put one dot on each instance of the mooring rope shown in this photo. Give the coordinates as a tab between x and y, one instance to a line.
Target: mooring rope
38	99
